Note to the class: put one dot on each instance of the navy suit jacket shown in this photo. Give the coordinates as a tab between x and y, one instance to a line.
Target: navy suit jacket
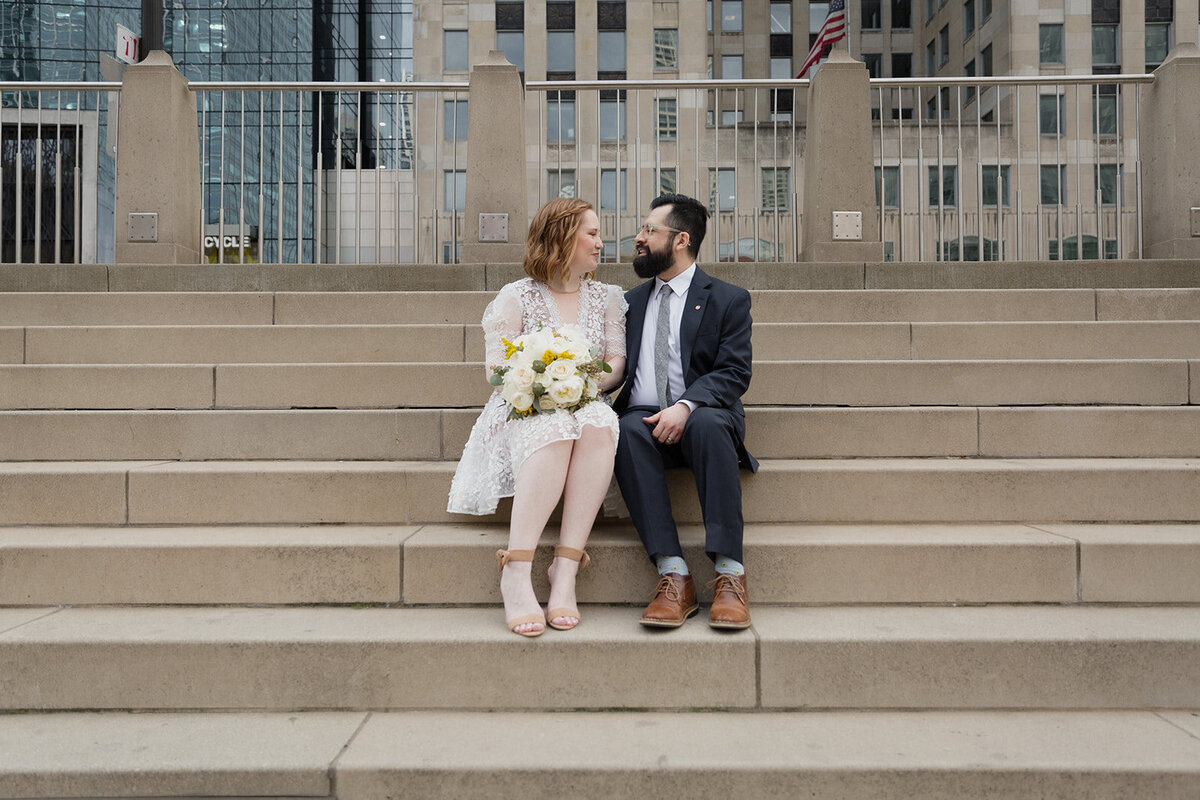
714	345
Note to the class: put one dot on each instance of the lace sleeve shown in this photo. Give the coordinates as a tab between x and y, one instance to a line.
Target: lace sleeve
614	322
501	318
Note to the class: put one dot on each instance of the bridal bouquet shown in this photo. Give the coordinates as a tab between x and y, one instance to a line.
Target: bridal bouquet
546	369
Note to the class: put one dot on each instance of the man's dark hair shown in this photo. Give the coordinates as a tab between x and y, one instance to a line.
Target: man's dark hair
686	214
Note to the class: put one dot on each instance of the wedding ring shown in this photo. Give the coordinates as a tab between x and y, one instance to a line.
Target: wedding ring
669	440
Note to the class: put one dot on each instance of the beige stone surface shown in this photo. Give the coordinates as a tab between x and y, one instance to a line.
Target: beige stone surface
272	492
863	432
989	657
53	278
1124	431
968	383
12	345
127	755
1102	274
295	277
1060	340
1119	304
456	429
12	618
1136	563
63	493
845	756
1194	378
1187	720
786	563
86	386
135	308
218	434
381	308
345	658
236	344
351	385
923	305
208	565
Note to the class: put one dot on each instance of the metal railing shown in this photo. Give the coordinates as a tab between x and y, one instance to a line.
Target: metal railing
57	171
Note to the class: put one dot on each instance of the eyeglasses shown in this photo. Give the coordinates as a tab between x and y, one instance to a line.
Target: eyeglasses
649	229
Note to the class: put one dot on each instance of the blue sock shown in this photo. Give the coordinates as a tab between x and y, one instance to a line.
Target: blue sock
671	564
727	566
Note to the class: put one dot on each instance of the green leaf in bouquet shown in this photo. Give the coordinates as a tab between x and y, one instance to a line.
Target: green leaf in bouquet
497	379
539	366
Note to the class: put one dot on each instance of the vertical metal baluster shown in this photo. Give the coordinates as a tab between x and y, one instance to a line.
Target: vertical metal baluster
775	167
378	175
1137	133
715	172
542	100
439	172
2	171
1018	157
242	178
999	195
881	185
697	94
736	254
1059	108
918	112
899	251
958	157
299	176
413	129
979	147
940	255
221	185
37	184
337	181
397	163
622	135
1120	157
20	183
599	137
262	214
279	198
1097	191
78	176
58	177
454	233
1078	179
358	166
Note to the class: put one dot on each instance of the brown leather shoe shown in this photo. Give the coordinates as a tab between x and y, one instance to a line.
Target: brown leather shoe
730	607
674	601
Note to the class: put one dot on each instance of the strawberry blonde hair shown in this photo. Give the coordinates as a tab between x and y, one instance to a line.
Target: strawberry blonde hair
550	244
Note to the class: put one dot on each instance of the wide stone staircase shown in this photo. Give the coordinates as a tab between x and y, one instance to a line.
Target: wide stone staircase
226	568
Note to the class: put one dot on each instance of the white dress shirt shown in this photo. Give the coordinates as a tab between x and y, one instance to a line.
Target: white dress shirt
644	392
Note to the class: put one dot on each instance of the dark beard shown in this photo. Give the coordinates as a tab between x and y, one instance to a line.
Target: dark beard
651	264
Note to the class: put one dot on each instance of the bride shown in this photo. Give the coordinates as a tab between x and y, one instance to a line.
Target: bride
539	458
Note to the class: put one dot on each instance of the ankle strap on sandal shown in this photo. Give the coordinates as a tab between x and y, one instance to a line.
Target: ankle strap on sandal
562	551
505	556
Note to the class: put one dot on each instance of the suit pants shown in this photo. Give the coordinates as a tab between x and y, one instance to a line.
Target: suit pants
709	447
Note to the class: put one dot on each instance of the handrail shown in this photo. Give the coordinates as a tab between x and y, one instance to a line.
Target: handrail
60	86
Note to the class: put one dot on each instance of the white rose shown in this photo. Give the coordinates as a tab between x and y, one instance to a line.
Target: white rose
521	376
547	402
538	342
521	401
560	369
577	342
568	392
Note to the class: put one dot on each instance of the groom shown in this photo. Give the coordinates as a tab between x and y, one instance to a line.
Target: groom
688	345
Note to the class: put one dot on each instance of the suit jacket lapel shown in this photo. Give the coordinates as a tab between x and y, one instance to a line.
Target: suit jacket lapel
693	310
634	322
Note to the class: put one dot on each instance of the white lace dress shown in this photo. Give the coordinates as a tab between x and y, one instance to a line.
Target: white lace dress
498	446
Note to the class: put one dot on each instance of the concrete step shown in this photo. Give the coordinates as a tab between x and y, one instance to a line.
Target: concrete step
827	341
933	755
463	385
438	434
455	564
867	657
136	308
408	492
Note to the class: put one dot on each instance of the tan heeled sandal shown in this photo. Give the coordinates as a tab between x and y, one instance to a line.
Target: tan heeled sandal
584	559
503	557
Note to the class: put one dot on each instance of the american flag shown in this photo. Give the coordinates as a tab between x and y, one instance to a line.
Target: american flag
834	28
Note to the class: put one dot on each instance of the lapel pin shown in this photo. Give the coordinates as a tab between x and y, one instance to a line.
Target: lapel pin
697	308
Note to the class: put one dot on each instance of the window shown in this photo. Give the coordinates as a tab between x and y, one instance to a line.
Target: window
731	16
731	116
985	7
939	104
722	190
1158	42
610	48
513	45
1052	109
612	120
1105	48
1104	111
988	180
1050	44
781	68
969	91
901	65
949	193
776	188
666	48
890	177
816	18
560	15
560	120
901	14
455	121
560	183
454	51
968	19
874	62
872	15
666	181
1108	179
668	118
454	196
781	17
731	67
1054	185
560	51
930	7
708	7
985	61
608	190
930	58
943	45
510	15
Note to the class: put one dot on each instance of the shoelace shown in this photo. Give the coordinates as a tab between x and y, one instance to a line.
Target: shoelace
727	583
667	587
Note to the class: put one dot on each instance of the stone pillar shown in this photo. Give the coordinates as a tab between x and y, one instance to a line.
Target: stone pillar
1170	169
158	167
839	162
495	219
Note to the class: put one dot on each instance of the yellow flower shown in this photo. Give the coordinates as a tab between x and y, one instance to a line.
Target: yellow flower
510	348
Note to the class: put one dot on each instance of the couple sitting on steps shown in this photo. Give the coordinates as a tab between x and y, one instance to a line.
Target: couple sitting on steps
680	345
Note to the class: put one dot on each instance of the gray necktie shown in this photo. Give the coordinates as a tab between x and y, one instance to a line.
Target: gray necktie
662	346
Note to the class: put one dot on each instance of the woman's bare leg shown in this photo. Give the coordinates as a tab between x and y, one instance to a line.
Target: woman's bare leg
539	484
588	476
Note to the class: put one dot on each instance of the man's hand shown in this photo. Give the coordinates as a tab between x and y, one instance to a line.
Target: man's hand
669	423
